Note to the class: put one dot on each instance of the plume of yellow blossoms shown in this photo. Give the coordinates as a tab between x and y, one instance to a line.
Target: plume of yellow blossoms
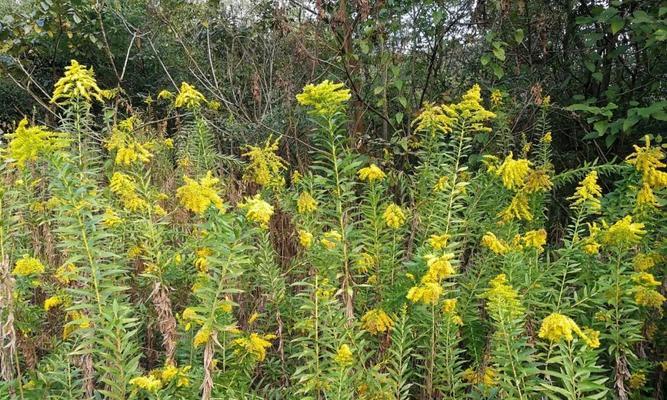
52	302
394	216
28	266
128	150
377	321
199	196
189	97
255	345
258	210
502	297
429	290
371	173
125	187
513	172
78	82
449	309
29	143
644	290
488	376
148	383
588	192
535	239
344	357
647	160
326	98
306	203
438	242
623	233
435	119
498	246
265	167
331	239
470	108
557	327
305	238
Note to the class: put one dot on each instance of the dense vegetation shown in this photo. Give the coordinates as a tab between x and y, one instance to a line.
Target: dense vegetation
345	200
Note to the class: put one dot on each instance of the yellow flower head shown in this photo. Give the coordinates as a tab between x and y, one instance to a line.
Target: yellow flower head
344	356
394	217
637	380
110	218
255	345
646	197
28	266
591	337
643	262
51	302
623	232
65	273
331	239
513	172
371	173
439	268
427	293
148	383
648	160
535	239
326	98
202	336
27	144
470	108
488	377
547	137
258	210
441	184
517	209
588	192
78	82
556	327
128	150
188	97
537	181
124	186
199	196
648	297
496	98
449	305
265	167
438	242
502	297
377	321
305	238
306	203
435	119
498	246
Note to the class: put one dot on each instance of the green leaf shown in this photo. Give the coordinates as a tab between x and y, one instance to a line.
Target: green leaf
518	35
403	101
364	46
485	59
617	23
597	76
399	117
499	52
497	70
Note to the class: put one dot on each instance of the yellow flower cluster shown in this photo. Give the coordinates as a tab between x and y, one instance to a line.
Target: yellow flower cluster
644	290
502	296
377	321
110	218
439	268
77	321
199	196
535	239
124	186
202	336
496	98
188	97
538	180
28	266
512	172
305	238
171	372
394	216
258	210
498	246
557	327
65	273
148	383
371	173
78	82
588	192
51	302
647	160
449	308
128	150
265	167
427	293
255	345
29	143
438	242
331	239
435	119
470	108
643	262
488	376
517	209
306	203
201	259
637	380
344	357
623	232
326	98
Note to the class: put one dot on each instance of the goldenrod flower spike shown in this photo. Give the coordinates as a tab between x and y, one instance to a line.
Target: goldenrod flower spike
326	98
394	216
588	192
435	119
27	144
557	327
344	357
513	172
188	97
371	173
265	167
255	345
28	266
377	321
258	210
306	204
199	196
78	83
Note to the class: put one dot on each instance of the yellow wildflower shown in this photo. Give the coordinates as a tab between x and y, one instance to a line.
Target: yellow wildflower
623	232
188	97
110	218
438	242
645	196
377	321
168	372
591	337
265	167
371	173
470	108
487	377
502	296
165	94
496	98
645	279
449	305
65	273
517	209
394	217
648	297
202	336
547	137
647	160
305	238
557	327
258	210
365	262
124	186
438	268
494	244
78	82
169	143
306	203
440	184
28	266
331	239
643	262
29	143
199	196
637	380
535	239
588	192
427	293
537	181
326	98
296	177
344	356
51	302
513	172
255	345
148	383
434	119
